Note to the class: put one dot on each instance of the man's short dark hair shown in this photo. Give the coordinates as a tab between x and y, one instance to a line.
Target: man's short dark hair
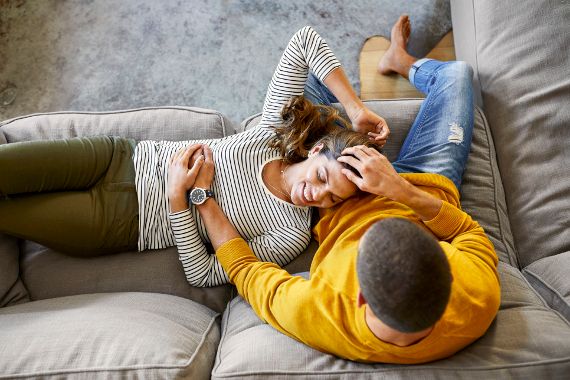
404	275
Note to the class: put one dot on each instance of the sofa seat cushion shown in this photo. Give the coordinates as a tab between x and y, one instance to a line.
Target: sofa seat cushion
527	339
156	123
482	194
120	335
49	274
549	276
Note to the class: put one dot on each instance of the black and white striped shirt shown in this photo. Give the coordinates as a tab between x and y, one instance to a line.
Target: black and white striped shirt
276	231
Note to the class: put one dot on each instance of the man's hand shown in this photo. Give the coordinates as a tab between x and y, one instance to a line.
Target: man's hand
367	122
377	175
181	176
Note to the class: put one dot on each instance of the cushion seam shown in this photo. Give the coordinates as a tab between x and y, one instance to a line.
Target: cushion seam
494	174
550	288
224	324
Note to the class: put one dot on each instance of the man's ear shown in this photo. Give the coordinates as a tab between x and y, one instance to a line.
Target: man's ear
316	149
361	300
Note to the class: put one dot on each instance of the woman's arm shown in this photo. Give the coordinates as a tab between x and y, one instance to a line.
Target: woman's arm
306	50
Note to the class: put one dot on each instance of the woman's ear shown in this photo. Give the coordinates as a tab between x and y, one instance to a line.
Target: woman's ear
316	149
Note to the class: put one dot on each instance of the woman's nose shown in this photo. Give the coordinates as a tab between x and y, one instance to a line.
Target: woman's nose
318	193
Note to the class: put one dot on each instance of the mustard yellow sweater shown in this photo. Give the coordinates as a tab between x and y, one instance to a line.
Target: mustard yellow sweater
322	312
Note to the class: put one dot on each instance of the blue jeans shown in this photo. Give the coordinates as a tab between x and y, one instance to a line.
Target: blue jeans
439	140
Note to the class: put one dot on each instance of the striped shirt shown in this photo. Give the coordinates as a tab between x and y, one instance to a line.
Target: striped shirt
275	230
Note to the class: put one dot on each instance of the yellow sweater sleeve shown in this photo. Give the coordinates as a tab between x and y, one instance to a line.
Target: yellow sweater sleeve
457	228
270	290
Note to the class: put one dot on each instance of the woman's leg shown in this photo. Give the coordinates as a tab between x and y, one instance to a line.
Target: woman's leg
439	140
76	195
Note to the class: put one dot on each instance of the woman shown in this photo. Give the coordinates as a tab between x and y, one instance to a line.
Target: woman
266	178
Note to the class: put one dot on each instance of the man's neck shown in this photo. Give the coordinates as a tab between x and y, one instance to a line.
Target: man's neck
389	335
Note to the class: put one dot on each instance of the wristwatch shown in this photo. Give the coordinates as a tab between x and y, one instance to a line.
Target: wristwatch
199	195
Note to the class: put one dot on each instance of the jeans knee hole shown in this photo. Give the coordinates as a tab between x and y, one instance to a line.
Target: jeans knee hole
455	133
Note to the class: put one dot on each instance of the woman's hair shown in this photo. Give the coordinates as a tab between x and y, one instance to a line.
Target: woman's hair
306	124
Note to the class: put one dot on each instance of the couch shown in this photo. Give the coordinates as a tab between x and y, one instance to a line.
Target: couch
133	315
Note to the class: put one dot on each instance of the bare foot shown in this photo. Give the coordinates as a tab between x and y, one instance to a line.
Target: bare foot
397	51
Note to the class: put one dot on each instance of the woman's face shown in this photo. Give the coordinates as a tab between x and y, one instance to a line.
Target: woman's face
318	182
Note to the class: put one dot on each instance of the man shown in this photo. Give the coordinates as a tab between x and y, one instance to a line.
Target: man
402	275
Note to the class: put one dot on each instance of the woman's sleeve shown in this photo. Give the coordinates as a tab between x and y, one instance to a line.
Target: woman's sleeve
200	267
281	246
306	50
204	270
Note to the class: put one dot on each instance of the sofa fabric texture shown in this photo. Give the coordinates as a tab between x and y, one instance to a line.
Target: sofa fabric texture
120	335
49	274
549	276
158	123
523	67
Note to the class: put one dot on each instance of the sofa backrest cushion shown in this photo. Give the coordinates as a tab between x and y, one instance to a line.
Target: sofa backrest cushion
159	123
521	60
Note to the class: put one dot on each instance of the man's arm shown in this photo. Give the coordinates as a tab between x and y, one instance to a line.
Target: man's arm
275	295
377	176
446	221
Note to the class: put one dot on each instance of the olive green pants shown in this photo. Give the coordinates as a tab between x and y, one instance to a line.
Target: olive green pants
76	196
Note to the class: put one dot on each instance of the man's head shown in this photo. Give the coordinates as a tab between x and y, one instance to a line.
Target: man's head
404	275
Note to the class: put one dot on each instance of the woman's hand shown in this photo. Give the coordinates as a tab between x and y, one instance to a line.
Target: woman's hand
378	175
206	173
367	122
182	176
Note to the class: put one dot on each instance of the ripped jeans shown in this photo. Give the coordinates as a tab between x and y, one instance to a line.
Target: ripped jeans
439	140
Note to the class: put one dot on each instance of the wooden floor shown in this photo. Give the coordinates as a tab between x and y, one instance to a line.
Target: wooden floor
373	85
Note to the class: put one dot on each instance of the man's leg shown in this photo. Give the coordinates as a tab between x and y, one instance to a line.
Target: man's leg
440	137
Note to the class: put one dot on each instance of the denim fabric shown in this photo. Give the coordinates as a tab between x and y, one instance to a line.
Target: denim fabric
440	137
317	92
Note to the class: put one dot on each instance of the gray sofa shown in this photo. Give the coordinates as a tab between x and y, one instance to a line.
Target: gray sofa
133	315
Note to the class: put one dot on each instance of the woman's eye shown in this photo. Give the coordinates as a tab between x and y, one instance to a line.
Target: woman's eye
320	177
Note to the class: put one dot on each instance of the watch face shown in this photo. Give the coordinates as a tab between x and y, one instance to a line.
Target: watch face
198	196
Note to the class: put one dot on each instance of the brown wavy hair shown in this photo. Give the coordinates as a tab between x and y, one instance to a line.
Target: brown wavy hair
306	125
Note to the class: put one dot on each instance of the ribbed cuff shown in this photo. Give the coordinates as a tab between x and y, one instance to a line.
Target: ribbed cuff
233	250
446	221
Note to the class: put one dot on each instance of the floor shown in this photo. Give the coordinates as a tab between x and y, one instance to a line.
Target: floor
376	86
102	55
